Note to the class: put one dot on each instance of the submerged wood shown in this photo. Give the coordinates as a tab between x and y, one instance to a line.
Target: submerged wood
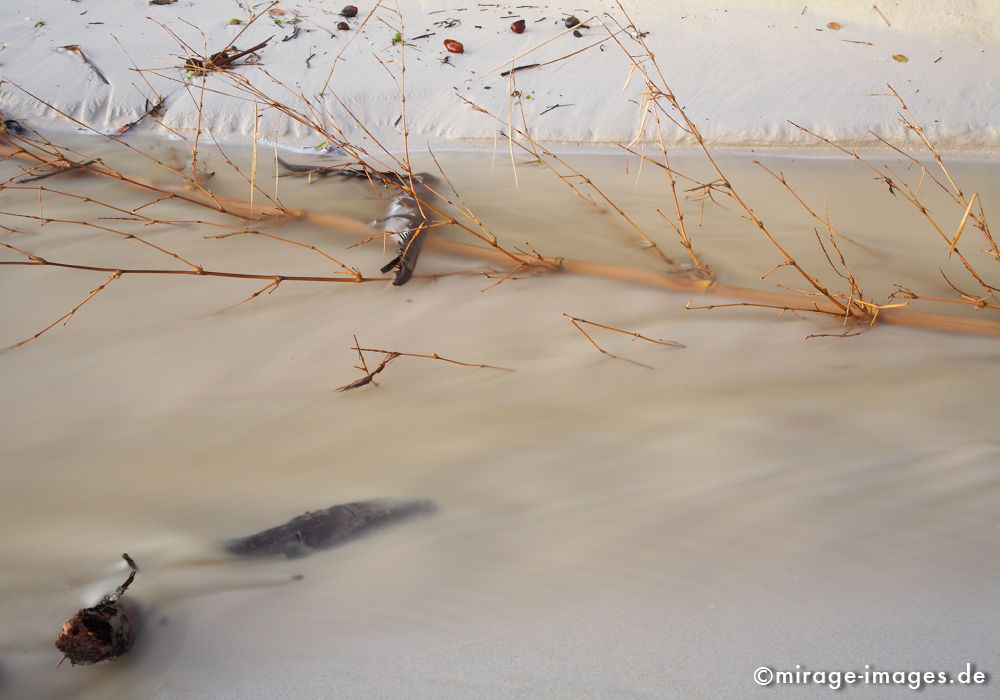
323	529
103	632
347	171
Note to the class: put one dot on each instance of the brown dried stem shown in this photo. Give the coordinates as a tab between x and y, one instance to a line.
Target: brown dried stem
658	89
528	144
65	318
434	356
389	356
895	185
576	321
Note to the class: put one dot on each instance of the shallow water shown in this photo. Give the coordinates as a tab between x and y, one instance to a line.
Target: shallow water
606	530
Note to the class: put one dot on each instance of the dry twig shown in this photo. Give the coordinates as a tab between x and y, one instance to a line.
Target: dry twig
635	336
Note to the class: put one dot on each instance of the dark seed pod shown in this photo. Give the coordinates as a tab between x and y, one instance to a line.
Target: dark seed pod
103	632
576	33
343	26
571	21
349	11
454	46
518	27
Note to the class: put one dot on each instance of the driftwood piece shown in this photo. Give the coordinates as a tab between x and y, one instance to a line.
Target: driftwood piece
103	632
221	60
345	171
406	223
323	529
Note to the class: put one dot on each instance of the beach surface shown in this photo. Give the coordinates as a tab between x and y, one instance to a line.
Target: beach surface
742	69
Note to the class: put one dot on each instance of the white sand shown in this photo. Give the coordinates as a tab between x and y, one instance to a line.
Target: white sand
741	68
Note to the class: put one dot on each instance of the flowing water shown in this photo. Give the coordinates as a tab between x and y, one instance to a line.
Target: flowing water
605	529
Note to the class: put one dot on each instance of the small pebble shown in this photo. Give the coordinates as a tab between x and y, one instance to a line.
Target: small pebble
571	21
518	27
349	11
576	33
343	26
454	46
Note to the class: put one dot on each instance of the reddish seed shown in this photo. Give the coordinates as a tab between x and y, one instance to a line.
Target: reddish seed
518	27
349	11
343	26
454	46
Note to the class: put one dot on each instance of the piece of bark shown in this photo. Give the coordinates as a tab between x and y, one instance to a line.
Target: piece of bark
103	632
323	529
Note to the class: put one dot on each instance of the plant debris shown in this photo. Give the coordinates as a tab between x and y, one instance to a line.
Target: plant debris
76	49
515	70
57	171
549	109
151	111
454	46
900	58
221	60
369	378
101	633
884	18
324	529
833	25
340	171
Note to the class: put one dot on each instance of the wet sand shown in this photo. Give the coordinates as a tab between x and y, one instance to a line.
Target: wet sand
605	530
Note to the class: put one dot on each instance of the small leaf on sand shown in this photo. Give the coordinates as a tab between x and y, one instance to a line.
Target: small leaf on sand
900	58
833	25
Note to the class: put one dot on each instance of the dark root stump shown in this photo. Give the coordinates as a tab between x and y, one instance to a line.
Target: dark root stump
323	529
101	633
